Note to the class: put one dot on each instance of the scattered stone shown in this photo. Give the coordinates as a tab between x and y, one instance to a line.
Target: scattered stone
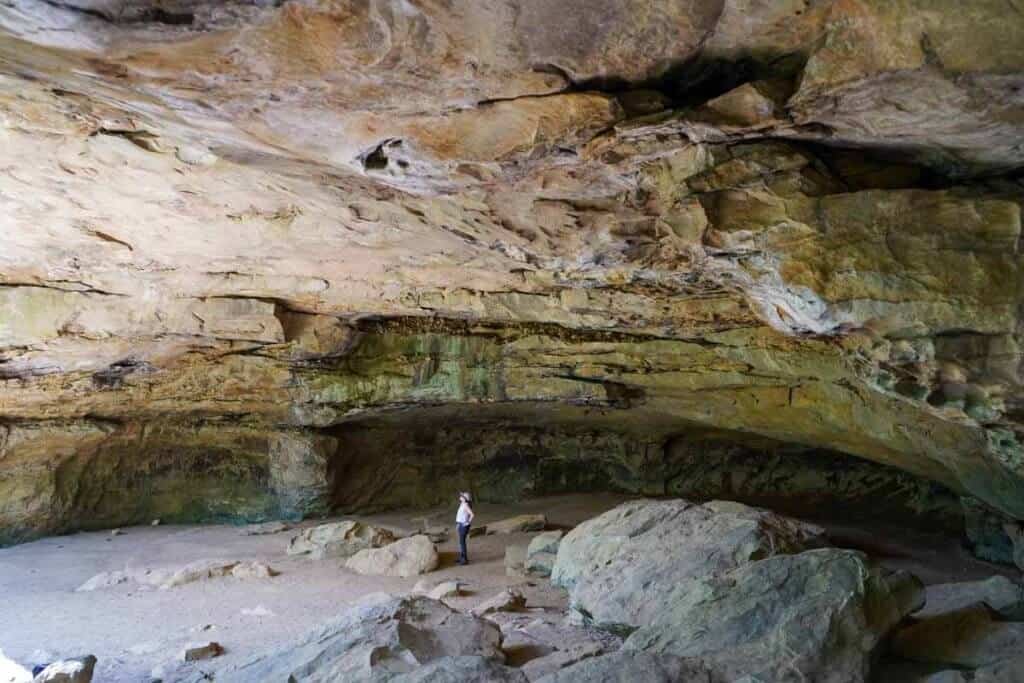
116	532
155	522
1004	596
265	529
515	560
407	557
437	533
816	616
968	637
475	531
517	524
200	651
339	539
541	553
635	667
438	590
508	600
259	611
619	566
77	670
376	639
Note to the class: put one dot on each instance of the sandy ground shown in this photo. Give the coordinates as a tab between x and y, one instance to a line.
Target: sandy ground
132	629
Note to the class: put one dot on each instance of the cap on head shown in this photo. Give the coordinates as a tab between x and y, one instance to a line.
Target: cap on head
466	496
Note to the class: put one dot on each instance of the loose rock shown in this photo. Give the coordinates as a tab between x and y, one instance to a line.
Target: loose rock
518	524
635	667
438	590
515	560
200	651
969	637
68	671
339	539
508	600
1004	596
376	639
407	557
541	553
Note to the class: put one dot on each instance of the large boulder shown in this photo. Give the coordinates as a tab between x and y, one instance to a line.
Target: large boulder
1006	671
619	566
972	637
339	539
78	670
377	639
635	667
815	616
1004	596
408	557
542	552
462	670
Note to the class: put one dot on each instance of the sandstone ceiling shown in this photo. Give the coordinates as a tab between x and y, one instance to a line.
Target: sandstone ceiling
230	229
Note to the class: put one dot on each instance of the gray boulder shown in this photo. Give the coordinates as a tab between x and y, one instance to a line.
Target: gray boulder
817	616
376	640
508	600
542	551
635	667
1004	596
1006	671
619	566
462	670
77	670
407	557
339	539
971	637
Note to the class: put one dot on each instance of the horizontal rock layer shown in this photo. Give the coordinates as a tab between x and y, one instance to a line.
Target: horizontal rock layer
253	251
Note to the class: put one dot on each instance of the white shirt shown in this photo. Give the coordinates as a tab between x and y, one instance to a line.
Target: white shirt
465	514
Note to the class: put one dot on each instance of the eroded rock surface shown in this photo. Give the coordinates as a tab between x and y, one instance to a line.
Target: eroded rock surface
620	566
406	557
262	259
380	638
339	539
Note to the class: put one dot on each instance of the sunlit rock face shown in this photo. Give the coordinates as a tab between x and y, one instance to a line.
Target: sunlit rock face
264	259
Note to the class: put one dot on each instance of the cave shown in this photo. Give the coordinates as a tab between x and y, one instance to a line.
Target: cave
511	340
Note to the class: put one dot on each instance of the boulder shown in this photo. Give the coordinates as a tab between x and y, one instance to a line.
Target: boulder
199	651
815	616
265	529
508	600
540	646
635	667
461	670
407	557
378	638
619	566
1004	596
972	637
339	539
77	670
542	551
515	560
438	589
517	524
170	577
1006	671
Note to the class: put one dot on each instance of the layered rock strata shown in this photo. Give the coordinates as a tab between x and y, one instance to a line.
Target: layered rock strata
265	259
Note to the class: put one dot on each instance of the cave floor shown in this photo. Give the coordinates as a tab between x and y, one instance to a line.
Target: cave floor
132	629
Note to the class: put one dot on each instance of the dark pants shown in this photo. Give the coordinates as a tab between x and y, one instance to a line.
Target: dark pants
463	533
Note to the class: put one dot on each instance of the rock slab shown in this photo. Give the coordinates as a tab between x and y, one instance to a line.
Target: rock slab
407	557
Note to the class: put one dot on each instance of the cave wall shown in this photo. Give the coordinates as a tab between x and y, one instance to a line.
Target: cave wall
247	247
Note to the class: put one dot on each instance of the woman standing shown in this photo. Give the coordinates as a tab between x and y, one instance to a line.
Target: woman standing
463	518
